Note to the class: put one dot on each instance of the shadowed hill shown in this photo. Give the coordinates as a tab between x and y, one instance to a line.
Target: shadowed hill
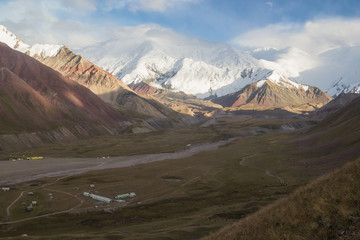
334	105
334	140
345	119
35	97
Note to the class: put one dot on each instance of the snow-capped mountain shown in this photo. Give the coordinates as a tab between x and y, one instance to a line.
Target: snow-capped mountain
338	72
275	92
165	59
40	50
334	71
288	61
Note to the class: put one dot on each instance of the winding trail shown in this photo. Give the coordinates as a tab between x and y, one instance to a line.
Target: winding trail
267	172
12	204
40	216
44	187
281	180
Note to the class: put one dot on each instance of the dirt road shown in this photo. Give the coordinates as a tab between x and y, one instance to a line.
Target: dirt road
27	170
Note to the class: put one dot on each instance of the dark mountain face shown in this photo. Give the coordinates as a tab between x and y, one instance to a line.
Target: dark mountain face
334	105
35	97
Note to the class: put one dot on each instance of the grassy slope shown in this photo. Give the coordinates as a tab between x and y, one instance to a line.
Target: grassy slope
321	210
326	208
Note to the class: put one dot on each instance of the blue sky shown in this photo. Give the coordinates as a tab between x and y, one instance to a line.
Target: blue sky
220	20
82	22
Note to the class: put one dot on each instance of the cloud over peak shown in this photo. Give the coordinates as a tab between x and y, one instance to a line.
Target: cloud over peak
313	36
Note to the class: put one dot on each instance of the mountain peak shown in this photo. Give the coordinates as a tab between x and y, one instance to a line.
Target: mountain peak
36	50
275	91
168	60
12	40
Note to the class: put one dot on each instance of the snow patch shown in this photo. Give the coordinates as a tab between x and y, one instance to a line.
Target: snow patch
306	88
44	50
260	83
12	40
338	72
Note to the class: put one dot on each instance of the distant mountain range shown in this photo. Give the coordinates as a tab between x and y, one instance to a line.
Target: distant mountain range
334	71
151	58
165	59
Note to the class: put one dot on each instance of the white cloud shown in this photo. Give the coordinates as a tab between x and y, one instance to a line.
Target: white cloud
66	21
270	4
43	21
313	37
144	5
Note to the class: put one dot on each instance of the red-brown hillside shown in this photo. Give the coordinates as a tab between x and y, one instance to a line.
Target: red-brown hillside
105	85
32	90
144	88
271	95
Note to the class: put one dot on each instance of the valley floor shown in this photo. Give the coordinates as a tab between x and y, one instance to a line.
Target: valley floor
187	197
28	170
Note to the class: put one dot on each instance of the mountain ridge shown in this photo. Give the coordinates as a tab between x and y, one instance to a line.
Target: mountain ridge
36	97
275	93
105	85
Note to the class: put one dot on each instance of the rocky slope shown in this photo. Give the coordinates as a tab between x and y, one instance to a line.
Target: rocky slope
77	68
178	101
275	92
104	84
35	97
